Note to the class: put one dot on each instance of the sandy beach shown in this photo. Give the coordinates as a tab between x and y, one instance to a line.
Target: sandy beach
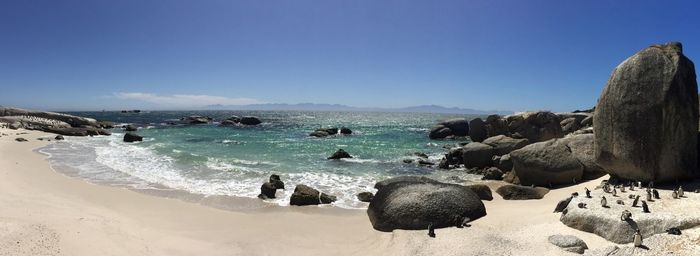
46	213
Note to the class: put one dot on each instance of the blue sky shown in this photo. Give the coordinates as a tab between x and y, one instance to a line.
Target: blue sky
506	55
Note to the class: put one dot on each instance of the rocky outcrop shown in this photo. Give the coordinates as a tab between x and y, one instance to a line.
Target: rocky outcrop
130	128
324	132
73	121
453	127
492	173
340	154
504	163
305	195
132	137
535	126
250	120
477	155
503	144
517	192
546	163
583	149
477	130
646	118
572	122
568	243
63	124
345	131
483	191
196	119
415	205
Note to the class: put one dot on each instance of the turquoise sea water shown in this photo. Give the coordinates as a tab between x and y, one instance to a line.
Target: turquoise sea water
235	160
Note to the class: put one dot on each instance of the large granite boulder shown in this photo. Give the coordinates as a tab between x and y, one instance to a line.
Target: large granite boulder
305	195
606	222
477	155
421	179
477	130
583	149
452	127
546	163
496	125
503	144
646	120
535	126
73	121
417	205
517	192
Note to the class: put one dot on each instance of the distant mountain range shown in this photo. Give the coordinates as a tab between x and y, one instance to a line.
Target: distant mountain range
338	107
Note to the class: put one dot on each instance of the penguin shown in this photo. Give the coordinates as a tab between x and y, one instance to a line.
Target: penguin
575	194
464	223
626	215
674	231
563	204
631	187
431	230
631	196
656	194
604	202
614	192
622	189
649	196
636	200
645	207
674	194
638	239
588	193
680	191
582	205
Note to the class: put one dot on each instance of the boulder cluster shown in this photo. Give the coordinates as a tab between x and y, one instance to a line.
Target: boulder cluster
325	132
58	123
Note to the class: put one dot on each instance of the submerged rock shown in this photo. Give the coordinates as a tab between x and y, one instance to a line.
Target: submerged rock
131	137
250	120
340	154
305	195
345	131
646	120
416	205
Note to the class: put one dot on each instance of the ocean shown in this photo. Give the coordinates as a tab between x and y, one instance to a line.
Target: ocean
209	159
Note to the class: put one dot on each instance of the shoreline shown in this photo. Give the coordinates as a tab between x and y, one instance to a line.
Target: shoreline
40	204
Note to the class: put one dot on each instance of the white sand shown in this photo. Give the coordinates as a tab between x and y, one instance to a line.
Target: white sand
46	213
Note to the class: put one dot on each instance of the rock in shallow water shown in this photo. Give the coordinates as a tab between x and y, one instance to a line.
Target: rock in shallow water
365	196
305	195
132	137
415	205
340	154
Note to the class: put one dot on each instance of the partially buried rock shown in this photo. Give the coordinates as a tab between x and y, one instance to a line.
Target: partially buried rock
492	173
365	196
416	205
569	243
483	191
59	137
516	192
21	139
340	154
275	179
131	137
305	195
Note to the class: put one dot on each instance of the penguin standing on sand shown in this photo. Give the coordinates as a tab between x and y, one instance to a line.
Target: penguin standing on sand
614	192
631	187
604	202
431	230
680	191
588	193
645	207
656	194
622	189
674	194
636	200
638	239
649	196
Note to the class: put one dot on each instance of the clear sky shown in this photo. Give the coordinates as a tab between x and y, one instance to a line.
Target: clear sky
506	55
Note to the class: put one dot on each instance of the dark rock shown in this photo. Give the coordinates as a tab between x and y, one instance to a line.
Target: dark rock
477	130
305	195
416	205
228	122
503	144
546	163
413	179
365	196
496	125
569	243
131	137
516	192
130	128
275	180
452	158
59	137
340	154
425	162
20	139
331	131
345	131
197	119
492	173
319	134
535	126
483	191
105	125
407	161
267	190
250	120
439	132
459	126
505	163
477	154
420	154
646	120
